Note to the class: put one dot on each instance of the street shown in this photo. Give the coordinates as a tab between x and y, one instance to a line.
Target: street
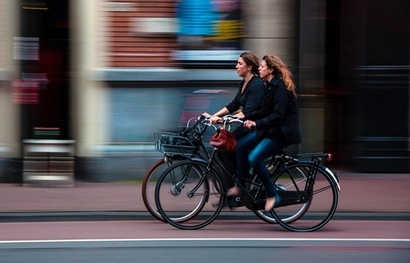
222	241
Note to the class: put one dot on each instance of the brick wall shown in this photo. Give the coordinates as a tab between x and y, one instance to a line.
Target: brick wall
129	48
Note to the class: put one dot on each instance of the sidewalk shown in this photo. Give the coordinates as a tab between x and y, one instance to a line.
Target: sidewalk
360	193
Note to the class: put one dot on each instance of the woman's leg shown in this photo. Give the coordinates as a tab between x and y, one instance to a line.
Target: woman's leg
229	158
266	148
243	147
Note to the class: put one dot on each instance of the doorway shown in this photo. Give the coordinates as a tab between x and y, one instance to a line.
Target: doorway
44	45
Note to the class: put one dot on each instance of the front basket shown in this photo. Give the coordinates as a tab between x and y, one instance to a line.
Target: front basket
172	143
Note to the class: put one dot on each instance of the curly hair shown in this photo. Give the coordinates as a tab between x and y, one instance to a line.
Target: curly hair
251	59
281	70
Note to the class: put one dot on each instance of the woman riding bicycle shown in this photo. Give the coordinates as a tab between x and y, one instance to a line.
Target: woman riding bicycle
276	127
247	100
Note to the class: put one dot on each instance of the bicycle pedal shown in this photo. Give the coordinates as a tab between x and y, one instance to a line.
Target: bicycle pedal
235	201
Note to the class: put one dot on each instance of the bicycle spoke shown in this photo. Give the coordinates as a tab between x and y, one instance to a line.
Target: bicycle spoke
321	189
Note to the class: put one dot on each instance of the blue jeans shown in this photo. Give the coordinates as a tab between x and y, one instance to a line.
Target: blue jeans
252	151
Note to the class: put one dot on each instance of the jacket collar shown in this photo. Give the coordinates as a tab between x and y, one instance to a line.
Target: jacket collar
274	81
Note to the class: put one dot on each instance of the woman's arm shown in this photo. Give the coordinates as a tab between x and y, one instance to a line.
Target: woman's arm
278	111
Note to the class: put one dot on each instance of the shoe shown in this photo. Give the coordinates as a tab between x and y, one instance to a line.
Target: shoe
234	191
271	202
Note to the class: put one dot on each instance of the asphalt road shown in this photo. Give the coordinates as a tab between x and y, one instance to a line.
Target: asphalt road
222	241
210	250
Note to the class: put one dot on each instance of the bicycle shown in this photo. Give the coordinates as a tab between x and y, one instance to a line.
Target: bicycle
192	184
183	146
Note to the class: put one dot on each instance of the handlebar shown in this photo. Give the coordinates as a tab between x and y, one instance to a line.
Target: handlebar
201	120
227	120
231	119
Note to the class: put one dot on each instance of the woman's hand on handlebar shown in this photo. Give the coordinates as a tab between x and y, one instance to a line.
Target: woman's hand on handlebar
215	119
249	124
212	118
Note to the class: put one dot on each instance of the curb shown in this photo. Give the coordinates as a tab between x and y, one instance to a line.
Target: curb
119	215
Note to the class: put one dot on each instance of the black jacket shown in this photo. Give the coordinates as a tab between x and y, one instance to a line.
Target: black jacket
278	119
250	100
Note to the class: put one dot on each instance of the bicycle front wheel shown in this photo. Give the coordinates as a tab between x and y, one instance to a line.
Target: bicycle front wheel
187	190
315	187
150	180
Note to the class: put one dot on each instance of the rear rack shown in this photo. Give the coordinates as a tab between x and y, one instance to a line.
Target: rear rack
328	156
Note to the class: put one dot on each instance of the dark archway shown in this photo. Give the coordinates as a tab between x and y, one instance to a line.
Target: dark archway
43	54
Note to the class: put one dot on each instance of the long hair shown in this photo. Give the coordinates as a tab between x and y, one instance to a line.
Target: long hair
281	70
251	60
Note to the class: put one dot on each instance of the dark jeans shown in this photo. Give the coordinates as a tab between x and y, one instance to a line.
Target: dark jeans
252	151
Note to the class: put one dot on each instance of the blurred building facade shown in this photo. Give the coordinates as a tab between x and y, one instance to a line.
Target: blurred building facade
107	74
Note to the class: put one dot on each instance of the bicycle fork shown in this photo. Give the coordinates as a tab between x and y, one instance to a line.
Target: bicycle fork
219	188
178	185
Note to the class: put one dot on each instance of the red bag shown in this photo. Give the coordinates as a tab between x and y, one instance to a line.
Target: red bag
224	140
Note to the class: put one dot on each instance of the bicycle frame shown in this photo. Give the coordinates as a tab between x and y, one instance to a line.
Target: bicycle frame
213	159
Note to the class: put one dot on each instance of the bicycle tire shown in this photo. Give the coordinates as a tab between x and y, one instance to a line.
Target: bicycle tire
150	179
322	199
175	198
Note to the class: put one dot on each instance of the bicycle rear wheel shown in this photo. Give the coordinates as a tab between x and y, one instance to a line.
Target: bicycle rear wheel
322	197
187	190
150	180
295	214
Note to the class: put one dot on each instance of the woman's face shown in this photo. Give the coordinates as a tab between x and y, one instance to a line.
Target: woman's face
265	72
242	68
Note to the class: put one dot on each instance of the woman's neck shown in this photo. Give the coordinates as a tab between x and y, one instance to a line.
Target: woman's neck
247	78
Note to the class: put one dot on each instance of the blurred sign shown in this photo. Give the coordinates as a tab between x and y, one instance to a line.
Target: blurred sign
118	7
42	6
214	58
213	55
155	25
39	77
210	32
26	48
25	91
